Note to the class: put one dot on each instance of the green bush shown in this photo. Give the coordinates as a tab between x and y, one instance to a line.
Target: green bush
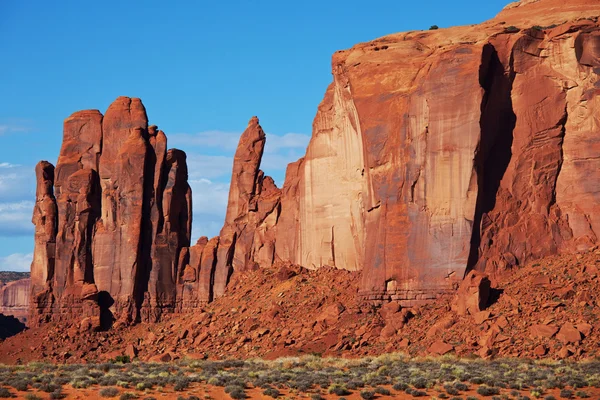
433	27
5	393
512	29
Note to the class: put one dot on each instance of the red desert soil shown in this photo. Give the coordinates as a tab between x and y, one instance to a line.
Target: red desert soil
213	392
547	309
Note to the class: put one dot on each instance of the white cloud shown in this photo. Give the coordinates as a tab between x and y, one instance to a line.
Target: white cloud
209	207
228	141
15	218
277	143
17	182
8	165
12	128
202	166
16	262
215	139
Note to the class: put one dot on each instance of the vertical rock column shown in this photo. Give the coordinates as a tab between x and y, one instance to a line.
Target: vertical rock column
45	220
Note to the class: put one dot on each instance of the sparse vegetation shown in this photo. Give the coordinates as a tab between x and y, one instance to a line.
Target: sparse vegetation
433	27
313	375
511	29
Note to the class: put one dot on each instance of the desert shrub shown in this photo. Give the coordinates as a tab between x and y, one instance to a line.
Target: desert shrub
109	392
238	393
443	396
549	397
339	390
20	384
128	396
512	29
5	393
57	395
433	27
566	394
48	387
31	396
354	384
316	396
181	385
418	393
536	392
271	392
144	385
487	391
451	390
419	383
382	391
582	394
367	394
400	386
122	359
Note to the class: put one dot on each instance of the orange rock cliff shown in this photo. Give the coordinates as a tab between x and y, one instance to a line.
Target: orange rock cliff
433	153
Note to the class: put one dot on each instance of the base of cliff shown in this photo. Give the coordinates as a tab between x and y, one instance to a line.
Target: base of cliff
548	309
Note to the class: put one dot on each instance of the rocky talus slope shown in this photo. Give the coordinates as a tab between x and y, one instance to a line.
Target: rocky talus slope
546	309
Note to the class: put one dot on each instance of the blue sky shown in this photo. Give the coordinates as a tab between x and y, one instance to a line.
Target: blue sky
202	70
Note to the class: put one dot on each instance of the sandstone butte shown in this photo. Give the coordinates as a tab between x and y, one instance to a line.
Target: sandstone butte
433	153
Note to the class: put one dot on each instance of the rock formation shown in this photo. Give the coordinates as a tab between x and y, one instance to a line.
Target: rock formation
247	239
110	220
433	153
14	299
438	152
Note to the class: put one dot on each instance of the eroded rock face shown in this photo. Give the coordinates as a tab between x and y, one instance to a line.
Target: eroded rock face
14	299
248	235
110	221
434	153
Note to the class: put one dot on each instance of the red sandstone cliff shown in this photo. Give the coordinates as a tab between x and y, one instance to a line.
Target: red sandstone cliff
110	221
433	152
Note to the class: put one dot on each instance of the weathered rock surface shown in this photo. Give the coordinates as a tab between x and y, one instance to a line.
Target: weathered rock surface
110	221
434	153
14	299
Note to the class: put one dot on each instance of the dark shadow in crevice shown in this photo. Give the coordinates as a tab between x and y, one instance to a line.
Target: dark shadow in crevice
105	301
493	154
10	326
495	294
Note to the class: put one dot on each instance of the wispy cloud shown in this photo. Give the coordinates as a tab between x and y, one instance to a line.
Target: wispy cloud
16	262
15	218
17	182
228	141
7	128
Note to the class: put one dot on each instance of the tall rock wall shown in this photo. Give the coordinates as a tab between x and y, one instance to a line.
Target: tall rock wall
111	220
438	152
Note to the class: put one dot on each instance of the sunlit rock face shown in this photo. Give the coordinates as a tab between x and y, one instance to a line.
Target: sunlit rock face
111	220
437	152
